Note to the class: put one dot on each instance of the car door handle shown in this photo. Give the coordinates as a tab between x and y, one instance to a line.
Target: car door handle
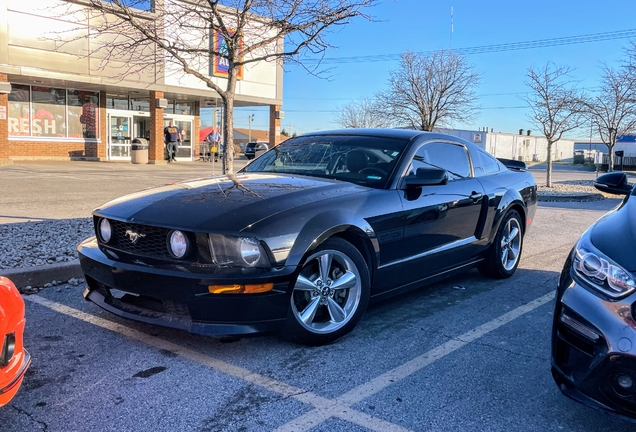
476	196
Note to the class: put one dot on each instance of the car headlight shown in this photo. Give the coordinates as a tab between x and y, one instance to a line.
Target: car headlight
230	251
178	244
599	271
105	230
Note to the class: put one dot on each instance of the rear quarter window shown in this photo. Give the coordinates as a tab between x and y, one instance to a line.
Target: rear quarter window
487	163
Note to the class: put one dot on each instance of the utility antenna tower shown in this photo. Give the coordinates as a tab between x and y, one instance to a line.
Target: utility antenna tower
451	29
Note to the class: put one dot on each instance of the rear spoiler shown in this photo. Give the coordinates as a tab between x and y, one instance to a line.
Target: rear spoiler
513	164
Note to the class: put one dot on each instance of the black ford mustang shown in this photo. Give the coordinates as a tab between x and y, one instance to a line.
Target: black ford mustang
307	234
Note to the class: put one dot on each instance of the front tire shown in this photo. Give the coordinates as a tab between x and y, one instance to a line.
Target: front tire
502	259
330	294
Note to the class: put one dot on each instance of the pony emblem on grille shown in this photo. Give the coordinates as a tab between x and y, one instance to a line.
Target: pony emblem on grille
133	236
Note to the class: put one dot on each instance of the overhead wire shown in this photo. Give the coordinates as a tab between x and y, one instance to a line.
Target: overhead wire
514	46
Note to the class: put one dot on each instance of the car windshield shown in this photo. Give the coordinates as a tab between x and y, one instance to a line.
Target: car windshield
363	160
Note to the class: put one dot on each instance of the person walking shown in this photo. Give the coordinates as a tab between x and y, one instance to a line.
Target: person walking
172	137
214	139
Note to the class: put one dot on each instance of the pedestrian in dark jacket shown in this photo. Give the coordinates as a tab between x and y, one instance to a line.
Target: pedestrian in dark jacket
172	137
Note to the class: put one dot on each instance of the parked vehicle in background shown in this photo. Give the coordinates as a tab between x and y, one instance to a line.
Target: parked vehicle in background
594	328
255	149
307	234
14	359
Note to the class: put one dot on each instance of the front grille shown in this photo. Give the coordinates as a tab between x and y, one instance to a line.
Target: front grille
150	241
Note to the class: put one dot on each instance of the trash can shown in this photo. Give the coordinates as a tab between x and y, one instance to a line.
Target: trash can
139	151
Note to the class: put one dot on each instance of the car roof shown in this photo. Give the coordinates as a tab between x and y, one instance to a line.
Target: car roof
408	134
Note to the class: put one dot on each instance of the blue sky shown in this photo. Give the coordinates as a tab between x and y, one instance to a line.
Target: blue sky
419	25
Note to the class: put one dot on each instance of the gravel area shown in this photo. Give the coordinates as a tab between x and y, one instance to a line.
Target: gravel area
569	188
34	244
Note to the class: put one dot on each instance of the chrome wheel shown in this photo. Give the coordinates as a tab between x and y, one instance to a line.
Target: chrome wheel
327	292
502	258
510	244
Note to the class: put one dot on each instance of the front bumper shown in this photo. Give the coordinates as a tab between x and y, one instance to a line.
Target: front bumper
15	372
594	347
178	297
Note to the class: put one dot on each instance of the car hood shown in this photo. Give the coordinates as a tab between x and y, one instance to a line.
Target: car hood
223	204
615	235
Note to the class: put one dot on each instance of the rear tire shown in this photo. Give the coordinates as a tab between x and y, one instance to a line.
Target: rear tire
502	259
330	294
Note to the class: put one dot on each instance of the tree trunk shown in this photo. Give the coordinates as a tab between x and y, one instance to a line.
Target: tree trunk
610	157
228	121
548	180
228	134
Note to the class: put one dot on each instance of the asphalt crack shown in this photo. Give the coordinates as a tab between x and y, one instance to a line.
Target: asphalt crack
45	427
498	348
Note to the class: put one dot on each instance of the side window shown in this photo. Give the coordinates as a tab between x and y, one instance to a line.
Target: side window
489	163
452	157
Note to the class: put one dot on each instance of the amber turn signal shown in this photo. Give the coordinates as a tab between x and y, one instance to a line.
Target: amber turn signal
240	289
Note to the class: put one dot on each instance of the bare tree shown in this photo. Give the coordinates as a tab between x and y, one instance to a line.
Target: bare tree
612	111
429	90
555	103
362	113
176	37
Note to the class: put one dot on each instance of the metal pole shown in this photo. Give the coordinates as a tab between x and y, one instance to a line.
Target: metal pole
590	155
249	121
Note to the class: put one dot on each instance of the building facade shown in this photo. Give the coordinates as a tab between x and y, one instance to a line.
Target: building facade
523	147
59	101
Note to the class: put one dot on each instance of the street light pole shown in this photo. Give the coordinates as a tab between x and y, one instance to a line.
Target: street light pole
250	119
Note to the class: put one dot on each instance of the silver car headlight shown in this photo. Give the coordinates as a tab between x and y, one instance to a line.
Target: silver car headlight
600	272
105	230
230	251
178	244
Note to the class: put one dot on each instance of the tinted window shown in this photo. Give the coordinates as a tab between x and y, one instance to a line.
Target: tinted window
489	164
451	157
363	160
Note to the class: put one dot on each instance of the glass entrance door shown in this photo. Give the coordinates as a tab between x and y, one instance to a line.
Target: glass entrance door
184	123
119	136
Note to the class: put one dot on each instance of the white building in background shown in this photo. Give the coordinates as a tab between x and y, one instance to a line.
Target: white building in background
523	147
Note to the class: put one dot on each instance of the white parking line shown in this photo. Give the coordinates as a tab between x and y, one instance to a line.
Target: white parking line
324	408
318	402
376	385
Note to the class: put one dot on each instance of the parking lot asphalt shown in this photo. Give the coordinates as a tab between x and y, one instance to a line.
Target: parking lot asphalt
468	353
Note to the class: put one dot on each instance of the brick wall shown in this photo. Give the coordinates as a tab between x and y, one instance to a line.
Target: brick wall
155	152
52	150
274	126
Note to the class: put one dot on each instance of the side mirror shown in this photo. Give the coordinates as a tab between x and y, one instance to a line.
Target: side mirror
426	177
615	183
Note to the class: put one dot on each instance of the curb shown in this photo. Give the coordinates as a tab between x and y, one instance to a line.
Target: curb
39	276
570	198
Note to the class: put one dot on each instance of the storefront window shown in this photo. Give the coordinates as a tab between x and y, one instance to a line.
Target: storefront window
140	105
49	112
83	114
180	107
52	112
19	103
117	102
